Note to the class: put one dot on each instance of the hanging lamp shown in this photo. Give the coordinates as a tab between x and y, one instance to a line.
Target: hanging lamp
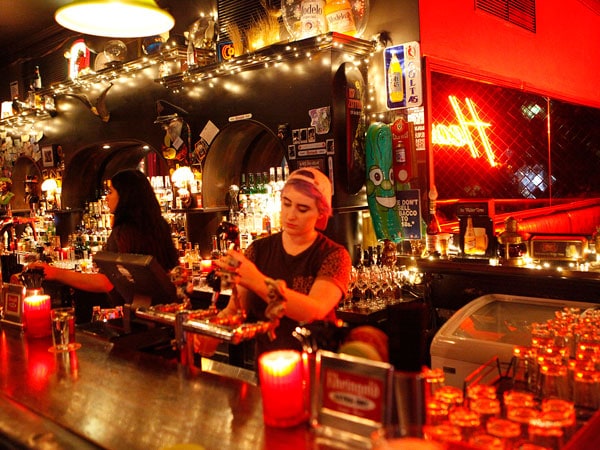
115	18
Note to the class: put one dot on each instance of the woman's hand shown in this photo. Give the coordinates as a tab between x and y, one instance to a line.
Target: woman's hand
48	270
246	272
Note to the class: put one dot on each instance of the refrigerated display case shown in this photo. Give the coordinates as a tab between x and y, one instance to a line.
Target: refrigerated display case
489	326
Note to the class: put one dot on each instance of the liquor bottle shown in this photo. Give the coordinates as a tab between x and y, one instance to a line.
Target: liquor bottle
470	240
243	185
357	256
251	183
266	223
365	260
215	253
371	256
279	178
340	17
37	79
265	186
312	18
433	226
191	57
395	82
433	231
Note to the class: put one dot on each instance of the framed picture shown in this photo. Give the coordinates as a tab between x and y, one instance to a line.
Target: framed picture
12	303
48	156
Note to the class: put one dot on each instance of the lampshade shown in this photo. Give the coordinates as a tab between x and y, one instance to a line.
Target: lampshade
182	177
49	185
115	18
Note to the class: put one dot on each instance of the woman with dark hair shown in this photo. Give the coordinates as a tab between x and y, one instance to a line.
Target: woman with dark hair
138	227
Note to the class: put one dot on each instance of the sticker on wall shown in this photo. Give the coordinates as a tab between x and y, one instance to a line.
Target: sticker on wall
292	152
402	64
320	118
312	149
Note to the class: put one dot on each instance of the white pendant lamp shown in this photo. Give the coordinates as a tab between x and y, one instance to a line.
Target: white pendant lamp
115	18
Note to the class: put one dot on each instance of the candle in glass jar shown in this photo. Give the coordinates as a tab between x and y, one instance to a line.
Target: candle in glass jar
206	265
282	388
36	316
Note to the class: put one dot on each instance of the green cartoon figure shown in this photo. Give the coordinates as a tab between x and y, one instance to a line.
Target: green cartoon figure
381	194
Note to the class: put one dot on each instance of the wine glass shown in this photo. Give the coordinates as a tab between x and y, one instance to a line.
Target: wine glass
347	303
376	277
363	282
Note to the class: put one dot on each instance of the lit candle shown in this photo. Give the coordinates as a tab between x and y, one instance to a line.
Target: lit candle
36	316
206	265
282	388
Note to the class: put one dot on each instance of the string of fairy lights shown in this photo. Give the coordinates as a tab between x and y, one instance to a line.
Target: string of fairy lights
166	69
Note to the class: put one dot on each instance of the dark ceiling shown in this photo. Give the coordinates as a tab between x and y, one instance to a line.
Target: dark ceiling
22	21
27	23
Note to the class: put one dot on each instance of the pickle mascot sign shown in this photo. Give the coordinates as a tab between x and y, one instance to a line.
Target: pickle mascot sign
381	192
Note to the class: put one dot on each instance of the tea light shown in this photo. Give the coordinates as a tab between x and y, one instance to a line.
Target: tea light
282	387
36	316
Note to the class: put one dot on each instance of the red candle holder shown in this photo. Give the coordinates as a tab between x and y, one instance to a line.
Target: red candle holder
36	316
281	378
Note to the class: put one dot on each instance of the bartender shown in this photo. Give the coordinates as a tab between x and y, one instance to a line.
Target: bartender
133	202
311	270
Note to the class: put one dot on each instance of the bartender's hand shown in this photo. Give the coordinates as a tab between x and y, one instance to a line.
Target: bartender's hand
204	345
50	272
247	274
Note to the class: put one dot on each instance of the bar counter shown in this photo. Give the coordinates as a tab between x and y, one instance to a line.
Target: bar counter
102	396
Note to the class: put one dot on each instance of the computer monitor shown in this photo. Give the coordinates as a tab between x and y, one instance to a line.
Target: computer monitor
139	279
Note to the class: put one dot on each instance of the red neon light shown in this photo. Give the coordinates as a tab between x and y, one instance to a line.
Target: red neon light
463	133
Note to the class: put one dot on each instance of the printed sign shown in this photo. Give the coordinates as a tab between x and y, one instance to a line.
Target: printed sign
352	396
404	85
409	210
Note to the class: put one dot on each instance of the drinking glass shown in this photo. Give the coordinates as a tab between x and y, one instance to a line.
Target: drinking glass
63	330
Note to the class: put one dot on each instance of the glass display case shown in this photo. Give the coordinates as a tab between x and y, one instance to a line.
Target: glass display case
491	325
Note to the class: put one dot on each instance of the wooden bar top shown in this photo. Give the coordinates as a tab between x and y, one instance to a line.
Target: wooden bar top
104	397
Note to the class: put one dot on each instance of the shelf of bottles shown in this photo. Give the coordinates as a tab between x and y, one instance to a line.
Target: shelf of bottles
259	204
39	239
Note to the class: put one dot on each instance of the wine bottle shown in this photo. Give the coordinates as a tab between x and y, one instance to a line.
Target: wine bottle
243	185
37	79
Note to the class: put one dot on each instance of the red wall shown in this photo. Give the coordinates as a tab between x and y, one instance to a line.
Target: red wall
561	60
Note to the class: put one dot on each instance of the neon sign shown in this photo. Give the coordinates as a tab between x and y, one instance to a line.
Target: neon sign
470	128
